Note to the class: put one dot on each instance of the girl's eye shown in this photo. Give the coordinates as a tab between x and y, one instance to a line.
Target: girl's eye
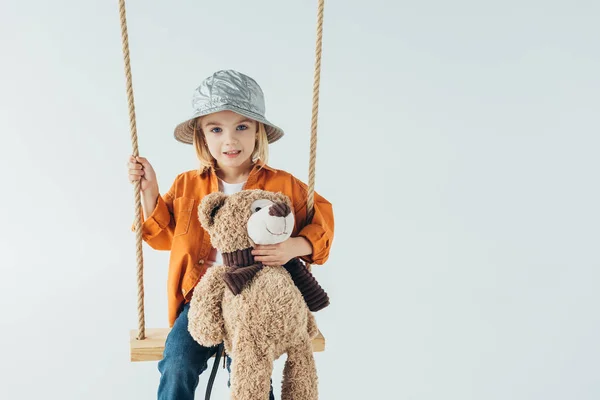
242	127
216	130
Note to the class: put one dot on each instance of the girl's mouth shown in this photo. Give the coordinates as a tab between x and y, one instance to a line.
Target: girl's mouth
232	154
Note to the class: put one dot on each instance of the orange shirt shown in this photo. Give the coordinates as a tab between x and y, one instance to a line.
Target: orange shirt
174	226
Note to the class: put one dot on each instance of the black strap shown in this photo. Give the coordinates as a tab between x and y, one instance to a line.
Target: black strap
213	373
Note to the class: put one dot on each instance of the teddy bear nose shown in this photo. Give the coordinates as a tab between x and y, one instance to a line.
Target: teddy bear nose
279	209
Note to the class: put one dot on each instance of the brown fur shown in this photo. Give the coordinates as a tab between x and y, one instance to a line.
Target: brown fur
267	319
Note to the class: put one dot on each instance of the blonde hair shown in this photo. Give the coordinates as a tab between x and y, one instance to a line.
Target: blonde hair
207	161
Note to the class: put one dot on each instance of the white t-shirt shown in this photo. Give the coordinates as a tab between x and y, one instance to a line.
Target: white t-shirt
228	189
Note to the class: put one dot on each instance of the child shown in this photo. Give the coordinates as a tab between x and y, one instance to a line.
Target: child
230	134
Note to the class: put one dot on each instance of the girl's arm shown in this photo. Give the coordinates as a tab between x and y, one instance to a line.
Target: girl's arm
319	232
158	227
309	241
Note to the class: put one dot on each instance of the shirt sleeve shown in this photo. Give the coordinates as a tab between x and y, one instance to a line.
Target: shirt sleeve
319	232
158	229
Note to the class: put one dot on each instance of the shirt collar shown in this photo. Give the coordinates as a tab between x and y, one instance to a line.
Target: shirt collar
259	164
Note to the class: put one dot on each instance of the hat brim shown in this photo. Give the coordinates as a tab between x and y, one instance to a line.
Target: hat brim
184	132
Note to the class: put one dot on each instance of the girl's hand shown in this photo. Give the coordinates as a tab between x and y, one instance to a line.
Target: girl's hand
281	253
140	168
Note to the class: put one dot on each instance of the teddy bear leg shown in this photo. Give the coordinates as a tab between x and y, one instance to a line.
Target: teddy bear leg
300	374
251	375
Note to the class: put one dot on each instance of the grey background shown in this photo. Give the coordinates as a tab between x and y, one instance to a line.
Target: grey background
458	143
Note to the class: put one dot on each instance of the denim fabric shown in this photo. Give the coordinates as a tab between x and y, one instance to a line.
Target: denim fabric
183	362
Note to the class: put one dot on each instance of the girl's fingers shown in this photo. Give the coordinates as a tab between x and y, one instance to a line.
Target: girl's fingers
142	161
265	247
271	261
262	252
137	160
134	166
136	174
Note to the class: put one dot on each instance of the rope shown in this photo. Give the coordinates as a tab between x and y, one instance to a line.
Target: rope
315	115
137	186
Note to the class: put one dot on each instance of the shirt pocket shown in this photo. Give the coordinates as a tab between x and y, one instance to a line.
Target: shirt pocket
182	207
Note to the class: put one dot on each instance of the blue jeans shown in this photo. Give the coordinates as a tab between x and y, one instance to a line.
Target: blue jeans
183	361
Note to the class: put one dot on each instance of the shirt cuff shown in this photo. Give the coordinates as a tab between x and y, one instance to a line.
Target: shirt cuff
157	221
315	234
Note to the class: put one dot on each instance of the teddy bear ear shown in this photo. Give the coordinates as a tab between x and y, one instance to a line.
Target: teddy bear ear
209	206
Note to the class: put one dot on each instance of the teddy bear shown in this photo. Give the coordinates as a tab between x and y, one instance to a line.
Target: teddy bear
258	312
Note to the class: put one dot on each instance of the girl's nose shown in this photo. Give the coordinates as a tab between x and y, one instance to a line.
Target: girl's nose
229	137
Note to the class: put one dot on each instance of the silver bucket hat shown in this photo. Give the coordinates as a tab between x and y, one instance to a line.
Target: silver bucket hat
228	90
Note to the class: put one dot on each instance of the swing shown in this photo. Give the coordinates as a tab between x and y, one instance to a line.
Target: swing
149	344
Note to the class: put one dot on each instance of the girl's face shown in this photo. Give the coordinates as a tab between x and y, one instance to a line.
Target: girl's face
230	138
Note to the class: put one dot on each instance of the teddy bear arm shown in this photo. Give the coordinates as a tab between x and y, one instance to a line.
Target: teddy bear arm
205	318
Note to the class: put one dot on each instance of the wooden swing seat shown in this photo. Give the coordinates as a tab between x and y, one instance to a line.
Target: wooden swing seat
151	348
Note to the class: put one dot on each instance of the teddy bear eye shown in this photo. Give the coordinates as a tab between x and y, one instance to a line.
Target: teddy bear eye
258	205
